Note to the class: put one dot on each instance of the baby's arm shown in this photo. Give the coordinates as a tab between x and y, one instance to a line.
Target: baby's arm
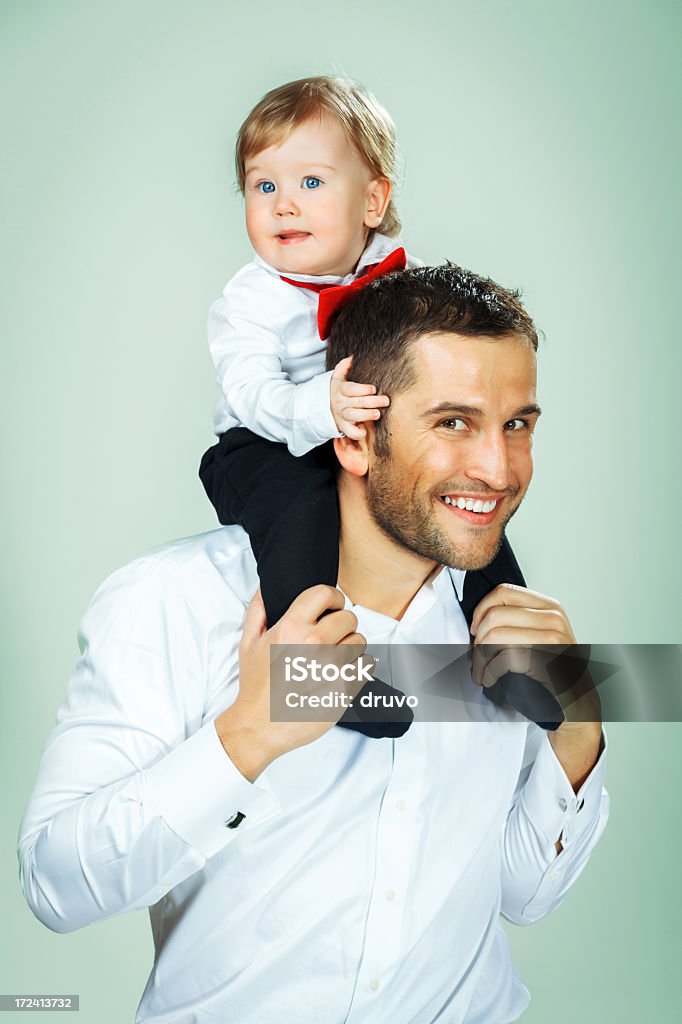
257	391
246	328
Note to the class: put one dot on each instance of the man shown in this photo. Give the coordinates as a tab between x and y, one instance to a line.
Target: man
298	871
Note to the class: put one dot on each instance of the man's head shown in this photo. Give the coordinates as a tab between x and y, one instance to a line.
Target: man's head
456	355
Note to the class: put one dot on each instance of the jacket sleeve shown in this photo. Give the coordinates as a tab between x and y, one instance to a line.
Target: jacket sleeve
246	346
134	791
535	878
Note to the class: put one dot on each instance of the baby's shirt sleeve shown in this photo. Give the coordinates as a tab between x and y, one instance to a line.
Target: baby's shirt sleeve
247	328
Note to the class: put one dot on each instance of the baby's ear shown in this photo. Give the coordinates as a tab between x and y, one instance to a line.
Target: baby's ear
378	196
353	455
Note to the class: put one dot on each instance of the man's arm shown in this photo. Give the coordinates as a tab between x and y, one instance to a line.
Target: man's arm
134	787
578	746
560	807
550	832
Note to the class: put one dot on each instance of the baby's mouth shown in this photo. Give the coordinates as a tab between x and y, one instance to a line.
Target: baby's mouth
293	236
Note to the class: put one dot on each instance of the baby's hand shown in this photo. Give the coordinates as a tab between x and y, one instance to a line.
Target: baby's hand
353	403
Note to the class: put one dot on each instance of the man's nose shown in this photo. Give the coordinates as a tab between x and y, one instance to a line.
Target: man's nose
285	203
489	461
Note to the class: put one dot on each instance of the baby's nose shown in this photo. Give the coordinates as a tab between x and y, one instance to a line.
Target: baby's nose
285	204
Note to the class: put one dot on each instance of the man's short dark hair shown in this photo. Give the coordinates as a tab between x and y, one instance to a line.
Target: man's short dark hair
379	324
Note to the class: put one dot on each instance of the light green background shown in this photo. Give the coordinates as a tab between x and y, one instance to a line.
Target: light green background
541	146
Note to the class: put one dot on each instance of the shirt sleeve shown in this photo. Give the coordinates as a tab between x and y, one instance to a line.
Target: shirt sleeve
535	878
134	791
245	342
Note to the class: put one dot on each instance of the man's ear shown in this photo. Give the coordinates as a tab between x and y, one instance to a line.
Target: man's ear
378	195
353	455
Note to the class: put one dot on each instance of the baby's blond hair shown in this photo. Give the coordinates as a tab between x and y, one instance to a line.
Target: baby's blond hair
366	123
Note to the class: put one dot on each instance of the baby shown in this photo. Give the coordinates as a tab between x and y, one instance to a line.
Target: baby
315	161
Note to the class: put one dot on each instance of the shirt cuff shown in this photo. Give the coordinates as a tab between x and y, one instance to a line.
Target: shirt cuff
551	804
202	796
313	420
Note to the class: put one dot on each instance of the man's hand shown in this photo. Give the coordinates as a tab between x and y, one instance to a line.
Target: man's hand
507	624
511	614
248	735
353	403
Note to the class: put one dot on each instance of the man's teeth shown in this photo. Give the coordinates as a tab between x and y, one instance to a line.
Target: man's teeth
470	505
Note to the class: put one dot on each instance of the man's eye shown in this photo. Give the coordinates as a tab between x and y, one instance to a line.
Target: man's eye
311	182
453	423
513	426
265	186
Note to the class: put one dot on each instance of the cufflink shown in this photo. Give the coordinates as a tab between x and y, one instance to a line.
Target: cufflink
235	821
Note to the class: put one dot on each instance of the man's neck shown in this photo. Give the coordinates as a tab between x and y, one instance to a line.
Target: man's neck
374	570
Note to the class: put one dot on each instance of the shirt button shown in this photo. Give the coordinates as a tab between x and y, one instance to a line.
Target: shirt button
374	985
391	895
401	805
562	804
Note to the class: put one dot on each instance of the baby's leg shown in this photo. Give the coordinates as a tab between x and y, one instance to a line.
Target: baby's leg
286	504
289	508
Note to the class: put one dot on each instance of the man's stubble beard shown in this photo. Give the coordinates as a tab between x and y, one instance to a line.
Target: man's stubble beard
410	520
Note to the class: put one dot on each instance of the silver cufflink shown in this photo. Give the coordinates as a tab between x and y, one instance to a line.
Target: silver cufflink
235	821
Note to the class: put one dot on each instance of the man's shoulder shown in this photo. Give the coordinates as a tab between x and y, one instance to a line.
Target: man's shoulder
210	576
225	544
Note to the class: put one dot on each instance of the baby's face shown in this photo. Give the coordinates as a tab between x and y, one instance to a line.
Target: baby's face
311	201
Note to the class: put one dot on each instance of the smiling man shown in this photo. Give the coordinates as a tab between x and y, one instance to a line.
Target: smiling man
296	871
473	458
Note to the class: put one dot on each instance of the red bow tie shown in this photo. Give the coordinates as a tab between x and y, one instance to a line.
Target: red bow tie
334	296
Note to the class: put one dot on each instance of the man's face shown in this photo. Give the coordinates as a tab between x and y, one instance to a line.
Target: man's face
460	436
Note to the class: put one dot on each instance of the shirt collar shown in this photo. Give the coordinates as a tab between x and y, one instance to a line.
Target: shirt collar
437	587
379	247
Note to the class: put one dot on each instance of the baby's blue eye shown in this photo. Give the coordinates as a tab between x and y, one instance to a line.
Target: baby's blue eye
311	183
265	186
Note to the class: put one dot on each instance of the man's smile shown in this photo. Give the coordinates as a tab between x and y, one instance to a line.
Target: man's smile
480	510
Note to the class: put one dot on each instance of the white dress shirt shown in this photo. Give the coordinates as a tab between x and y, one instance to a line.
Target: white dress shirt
366	880
269	359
